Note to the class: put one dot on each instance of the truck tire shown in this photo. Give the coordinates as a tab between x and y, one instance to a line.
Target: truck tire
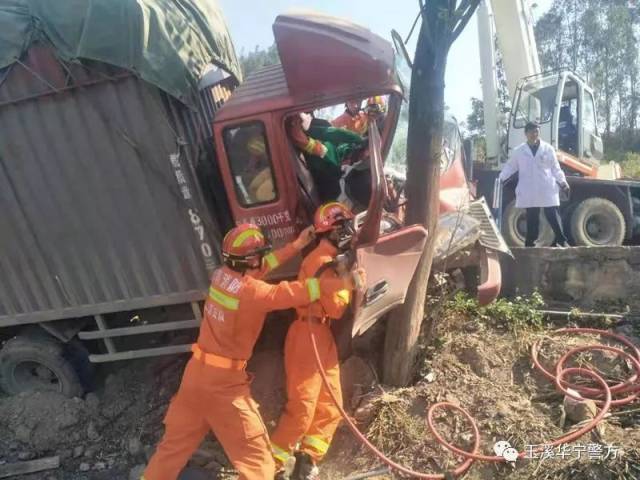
565	216
597	222
514	227
29	363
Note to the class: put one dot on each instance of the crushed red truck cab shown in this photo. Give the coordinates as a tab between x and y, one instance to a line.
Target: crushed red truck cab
325	62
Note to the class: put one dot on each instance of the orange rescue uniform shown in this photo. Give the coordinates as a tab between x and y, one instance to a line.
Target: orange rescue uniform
356	123
214	393
310	417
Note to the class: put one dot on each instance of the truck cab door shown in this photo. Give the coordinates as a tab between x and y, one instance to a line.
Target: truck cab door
389	257
256	184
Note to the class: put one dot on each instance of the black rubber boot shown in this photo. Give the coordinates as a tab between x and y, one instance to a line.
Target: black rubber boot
305	469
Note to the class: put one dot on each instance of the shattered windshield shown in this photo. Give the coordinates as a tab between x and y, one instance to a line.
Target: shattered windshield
396	164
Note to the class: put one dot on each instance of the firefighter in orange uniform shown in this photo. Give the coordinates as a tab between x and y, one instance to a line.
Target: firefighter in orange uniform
356	119
310	417
214	393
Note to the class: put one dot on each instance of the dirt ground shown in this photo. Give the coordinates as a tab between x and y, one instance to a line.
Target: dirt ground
487	370
481	365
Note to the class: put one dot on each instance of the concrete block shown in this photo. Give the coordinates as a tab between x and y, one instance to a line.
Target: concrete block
583	277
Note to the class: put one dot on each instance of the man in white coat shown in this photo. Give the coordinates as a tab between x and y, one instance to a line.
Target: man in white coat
539	180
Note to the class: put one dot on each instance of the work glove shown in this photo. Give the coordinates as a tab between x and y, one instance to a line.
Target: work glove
305	238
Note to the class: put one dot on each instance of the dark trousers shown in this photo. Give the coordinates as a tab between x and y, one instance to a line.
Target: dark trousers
533	225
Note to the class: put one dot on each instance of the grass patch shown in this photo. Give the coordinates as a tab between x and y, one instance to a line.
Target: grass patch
517	315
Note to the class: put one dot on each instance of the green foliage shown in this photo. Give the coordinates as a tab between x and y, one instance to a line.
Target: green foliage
521	313
623	147
475	119
258	58
631	165
598	39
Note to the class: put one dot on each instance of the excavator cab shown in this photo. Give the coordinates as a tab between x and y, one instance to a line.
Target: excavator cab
564	107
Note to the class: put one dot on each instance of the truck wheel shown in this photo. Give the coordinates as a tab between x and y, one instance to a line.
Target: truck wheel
565	215
37	363
597	222
514	227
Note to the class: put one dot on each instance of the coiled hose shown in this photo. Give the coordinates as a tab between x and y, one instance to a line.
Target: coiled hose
631	387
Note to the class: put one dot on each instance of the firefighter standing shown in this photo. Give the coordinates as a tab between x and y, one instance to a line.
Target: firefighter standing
357	120
214	393
310	417
353	118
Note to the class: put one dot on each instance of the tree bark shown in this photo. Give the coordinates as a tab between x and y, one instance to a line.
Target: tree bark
424	148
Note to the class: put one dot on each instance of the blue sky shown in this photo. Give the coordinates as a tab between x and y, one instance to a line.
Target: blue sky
250	24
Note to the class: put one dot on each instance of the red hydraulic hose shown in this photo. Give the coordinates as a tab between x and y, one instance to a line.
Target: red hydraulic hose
354	429
631	385
625	387
535	349
570	437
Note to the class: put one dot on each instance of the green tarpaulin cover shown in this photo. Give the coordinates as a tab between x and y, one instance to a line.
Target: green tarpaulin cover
166	42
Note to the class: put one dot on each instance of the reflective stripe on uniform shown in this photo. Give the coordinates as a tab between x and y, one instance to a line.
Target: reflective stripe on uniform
327	206
271	260
317	443
246	234
313	287
280	454
344	295
311	146
223	299
314	147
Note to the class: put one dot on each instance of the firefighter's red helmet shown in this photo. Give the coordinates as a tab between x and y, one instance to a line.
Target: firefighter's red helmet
244	241
329	215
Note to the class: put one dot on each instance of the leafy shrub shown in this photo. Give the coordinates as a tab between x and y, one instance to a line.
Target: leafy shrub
518	314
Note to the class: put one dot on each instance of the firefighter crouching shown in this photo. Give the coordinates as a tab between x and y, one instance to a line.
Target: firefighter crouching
214	393
310	418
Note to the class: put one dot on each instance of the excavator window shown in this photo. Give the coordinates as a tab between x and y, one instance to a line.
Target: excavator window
568	119
250	163
568	126
536	101
589	123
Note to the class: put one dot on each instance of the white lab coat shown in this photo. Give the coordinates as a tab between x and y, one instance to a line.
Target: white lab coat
539	177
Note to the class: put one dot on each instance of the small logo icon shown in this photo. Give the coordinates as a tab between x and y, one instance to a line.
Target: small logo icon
505	450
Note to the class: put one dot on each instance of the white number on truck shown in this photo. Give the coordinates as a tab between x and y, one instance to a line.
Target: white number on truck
205	248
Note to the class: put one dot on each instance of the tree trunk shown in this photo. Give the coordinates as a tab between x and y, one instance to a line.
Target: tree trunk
424	148
633	107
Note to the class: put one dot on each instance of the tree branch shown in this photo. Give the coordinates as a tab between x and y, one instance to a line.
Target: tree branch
452	10
464	4
464	16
